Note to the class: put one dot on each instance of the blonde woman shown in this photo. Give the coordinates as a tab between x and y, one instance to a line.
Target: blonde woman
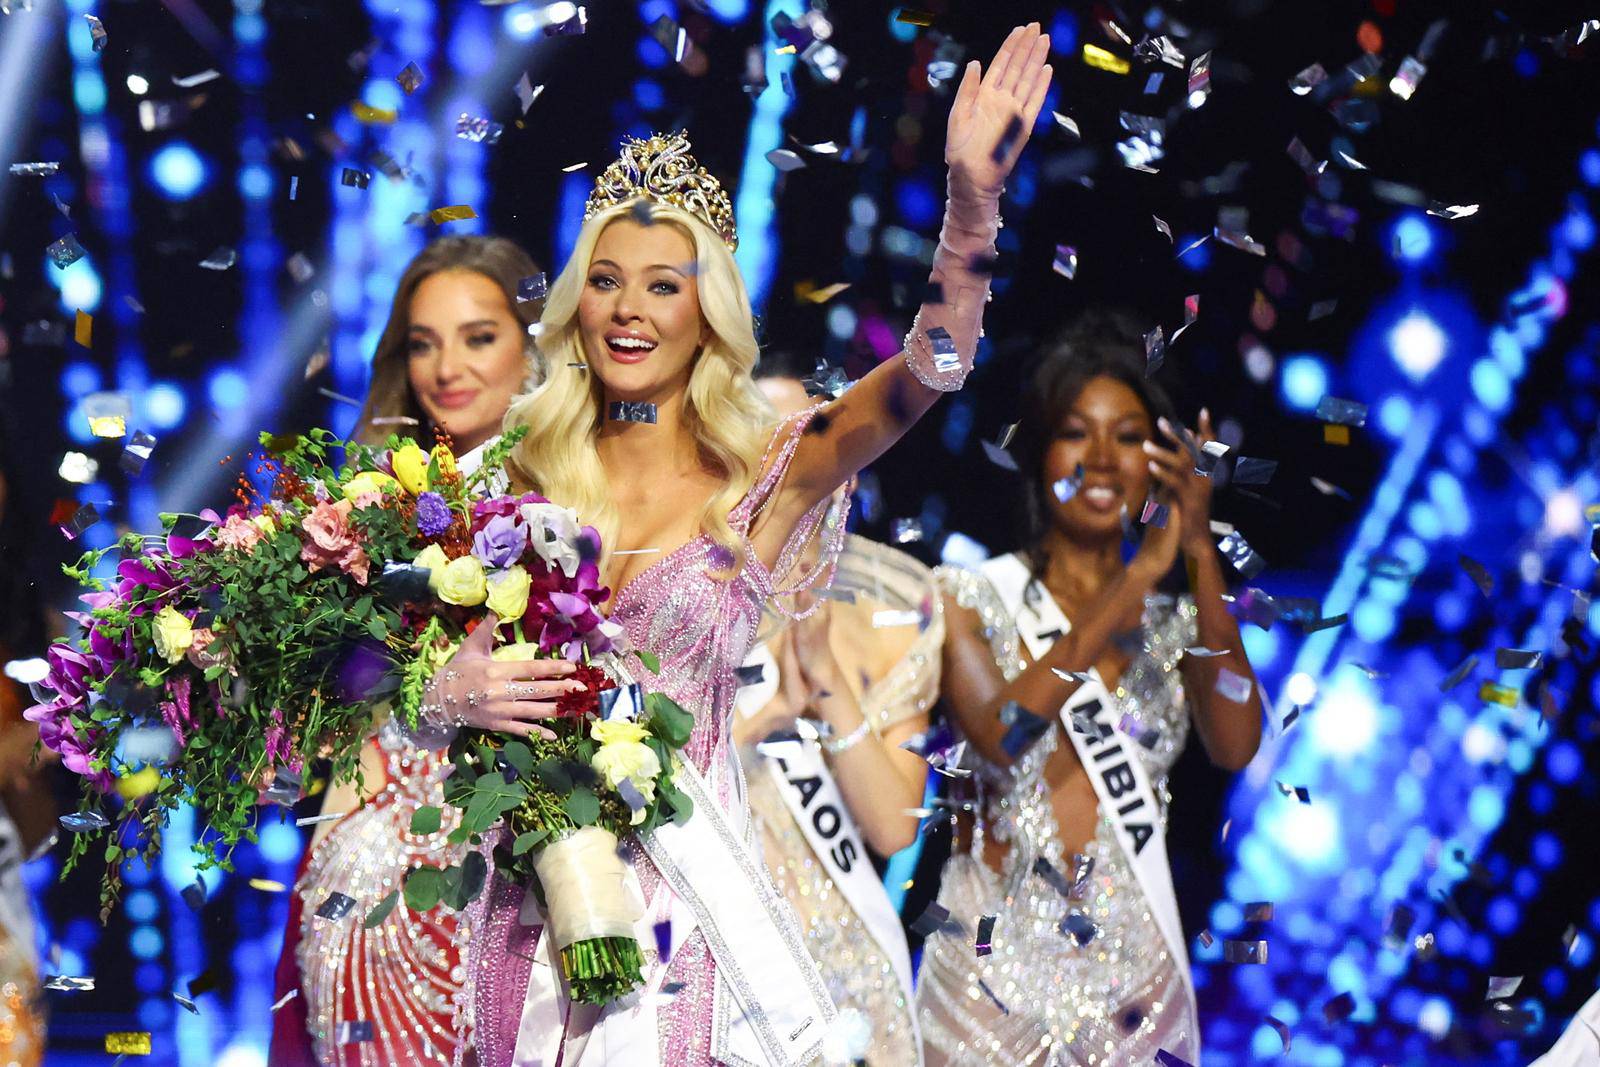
865	668
454	352
650	426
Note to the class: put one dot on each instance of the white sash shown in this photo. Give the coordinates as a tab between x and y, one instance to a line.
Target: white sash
814	801
1111	759
771	1009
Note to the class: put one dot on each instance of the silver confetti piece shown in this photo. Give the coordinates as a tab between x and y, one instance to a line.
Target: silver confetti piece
526	92
63	983
410	78
83	518
97	31
1299	792
1154	514
1155	351
1234	687
186	1004
534	287
1518	659
1240	240
1451	211
355	179
904	531
1406	79
353	1031
1202	652
82	822
945	359
1209	453
998	455
478	130
1248	470
1258	911
985	940
34	170
336	906
621	703
1500	988
1459	675
1328	488
1066	123
1282	1028
1342	412
1479	574
1244	559
1066	261
221	258
65	251
631	411
1199	84
1244	951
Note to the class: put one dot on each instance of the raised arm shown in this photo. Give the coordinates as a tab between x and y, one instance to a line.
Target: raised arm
989	123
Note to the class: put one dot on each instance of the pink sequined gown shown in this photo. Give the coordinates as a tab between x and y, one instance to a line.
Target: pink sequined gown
701	626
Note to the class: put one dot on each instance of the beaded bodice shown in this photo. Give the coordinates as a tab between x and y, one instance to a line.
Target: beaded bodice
696	609
1082	981
402	976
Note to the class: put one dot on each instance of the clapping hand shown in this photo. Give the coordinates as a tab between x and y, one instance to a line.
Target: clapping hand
994	112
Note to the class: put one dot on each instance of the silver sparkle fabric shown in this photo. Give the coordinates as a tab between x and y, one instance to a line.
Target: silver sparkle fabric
1042	997
860	978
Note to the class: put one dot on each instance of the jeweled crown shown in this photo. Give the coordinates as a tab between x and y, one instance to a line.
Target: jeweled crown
661	169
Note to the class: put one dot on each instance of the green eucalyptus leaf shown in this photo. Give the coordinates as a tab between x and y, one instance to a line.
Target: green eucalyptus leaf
528	841
423	886
582	807
426	820
382	910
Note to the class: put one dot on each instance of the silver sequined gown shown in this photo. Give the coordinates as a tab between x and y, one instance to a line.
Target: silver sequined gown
1039	998
860	977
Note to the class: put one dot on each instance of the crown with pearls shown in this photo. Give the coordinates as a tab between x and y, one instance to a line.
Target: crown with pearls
661	169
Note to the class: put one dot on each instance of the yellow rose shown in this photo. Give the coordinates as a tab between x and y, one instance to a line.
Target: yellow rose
618	731
435	560
508	593
140	783
411	468
174	633
267	524
519	650
629	761
463	583
447	460
368	482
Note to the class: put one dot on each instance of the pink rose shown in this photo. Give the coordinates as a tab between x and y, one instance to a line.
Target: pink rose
200	653
332	542
238	533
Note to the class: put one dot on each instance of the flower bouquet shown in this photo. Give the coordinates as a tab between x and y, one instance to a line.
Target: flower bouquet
222	655
554	808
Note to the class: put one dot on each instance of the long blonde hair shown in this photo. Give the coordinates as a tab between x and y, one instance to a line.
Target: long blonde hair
729	418
389	394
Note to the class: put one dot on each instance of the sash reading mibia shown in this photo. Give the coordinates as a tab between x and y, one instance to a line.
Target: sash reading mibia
1108	754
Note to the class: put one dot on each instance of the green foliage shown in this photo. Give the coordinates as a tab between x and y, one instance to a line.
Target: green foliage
425	820
382	910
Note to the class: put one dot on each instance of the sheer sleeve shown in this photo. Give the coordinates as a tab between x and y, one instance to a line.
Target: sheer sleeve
824	524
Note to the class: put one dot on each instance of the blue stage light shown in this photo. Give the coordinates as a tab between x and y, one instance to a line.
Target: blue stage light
242	1053
279	843
146	942
1260	645
178	171
255	182
1198	257
648	95
1417	344
1503	915
1373	621
1306	833
1450	611
1304	381
142	906
228	389
162	405
1394	415
79	285
521	21
1486	807
79	379
1490	385
729	11
1346	722
1589	166
1411	239
1564	762
918	205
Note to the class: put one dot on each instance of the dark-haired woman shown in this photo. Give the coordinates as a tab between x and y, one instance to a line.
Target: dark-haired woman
1077	682
454	352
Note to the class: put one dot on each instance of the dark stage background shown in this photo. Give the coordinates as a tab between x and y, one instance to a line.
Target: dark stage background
1470	338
